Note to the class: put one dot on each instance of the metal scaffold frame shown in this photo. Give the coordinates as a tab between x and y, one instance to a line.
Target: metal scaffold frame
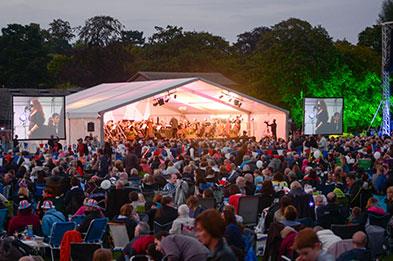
386	70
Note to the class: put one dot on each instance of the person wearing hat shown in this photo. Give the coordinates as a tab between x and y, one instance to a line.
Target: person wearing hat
24	218
92	211
51	215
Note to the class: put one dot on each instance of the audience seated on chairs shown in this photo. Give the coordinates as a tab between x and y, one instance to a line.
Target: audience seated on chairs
308	246
332	213
194	206
234	196
24	218
303	202
183	224
290	215
288	235
373	208
283	203
92	212
102	254
126	217
210	229
166	213
360	251
51	215
233	232
326	237
73	199
180	247
142	239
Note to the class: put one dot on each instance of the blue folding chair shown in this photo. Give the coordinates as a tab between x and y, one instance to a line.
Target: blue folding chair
78	219
57	233
3	217
96	231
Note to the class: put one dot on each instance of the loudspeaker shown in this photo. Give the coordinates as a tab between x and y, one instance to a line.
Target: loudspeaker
90	126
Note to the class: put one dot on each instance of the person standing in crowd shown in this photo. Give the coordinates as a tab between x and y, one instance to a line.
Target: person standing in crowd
210	229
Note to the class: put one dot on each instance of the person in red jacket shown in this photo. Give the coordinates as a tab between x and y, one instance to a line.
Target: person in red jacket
24	218
141	241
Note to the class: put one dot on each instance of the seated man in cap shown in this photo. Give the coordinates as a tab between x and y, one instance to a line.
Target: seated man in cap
51	215
24	218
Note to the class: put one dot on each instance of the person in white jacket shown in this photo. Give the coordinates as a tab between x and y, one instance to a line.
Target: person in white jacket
327	237
183	224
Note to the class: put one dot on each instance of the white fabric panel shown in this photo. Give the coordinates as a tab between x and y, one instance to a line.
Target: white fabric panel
77	128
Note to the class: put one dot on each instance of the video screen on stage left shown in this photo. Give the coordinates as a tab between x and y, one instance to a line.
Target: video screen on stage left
38	118
323	116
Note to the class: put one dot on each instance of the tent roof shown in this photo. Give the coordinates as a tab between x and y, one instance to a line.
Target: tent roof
110	96
213	77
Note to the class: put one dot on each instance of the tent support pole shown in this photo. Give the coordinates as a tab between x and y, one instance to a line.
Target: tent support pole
102	138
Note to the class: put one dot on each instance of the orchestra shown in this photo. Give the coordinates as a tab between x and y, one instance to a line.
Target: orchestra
148	129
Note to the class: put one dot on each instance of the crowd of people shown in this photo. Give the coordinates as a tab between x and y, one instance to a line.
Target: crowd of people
307	187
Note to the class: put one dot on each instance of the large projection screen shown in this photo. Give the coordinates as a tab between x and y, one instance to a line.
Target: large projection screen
38	118
323	116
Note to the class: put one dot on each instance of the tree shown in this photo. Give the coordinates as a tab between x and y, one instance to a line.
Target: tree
101	31
371	37
60	34
360	59
386	13
133	37
247	42
286	58
93	65
171	49
23	57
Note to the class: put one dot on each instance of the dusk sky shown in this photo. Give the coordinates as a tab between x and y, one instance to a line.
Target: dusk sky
227	18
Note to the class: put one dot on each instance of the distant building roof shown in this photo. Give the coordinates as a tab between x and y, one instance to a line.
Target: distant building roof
212	77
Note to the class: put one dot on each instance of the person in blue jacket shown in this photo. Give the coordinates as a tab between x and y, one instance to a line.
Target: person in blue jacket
51	215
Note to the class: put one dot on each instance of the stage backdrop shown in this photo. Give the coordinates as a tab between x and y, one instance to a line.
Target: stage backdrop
37	118
323	116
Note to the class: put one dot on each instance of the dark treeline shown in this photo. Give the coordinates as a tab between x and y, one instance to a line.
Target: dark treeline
280	64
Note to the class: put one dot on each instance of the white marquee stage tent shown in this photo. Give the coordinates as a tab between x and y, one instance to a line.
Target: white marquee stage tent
196	99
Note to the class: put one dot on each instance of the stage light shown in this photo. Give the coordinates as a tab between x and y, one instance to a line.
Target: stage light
175	96
230	100
236	102
167	99
161	101
221	96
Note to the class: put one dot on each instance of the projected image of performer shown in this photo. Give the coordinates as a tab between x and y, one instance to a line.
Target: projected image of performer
322	118
335	123
273	128
36	119
53	124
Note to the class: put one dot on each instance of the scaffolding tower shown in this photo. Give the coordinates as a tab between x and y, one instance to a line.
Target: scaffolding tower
386	70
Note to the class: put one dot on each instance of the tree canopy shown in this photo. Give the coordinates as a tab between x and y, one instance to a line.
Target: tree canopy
280	64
